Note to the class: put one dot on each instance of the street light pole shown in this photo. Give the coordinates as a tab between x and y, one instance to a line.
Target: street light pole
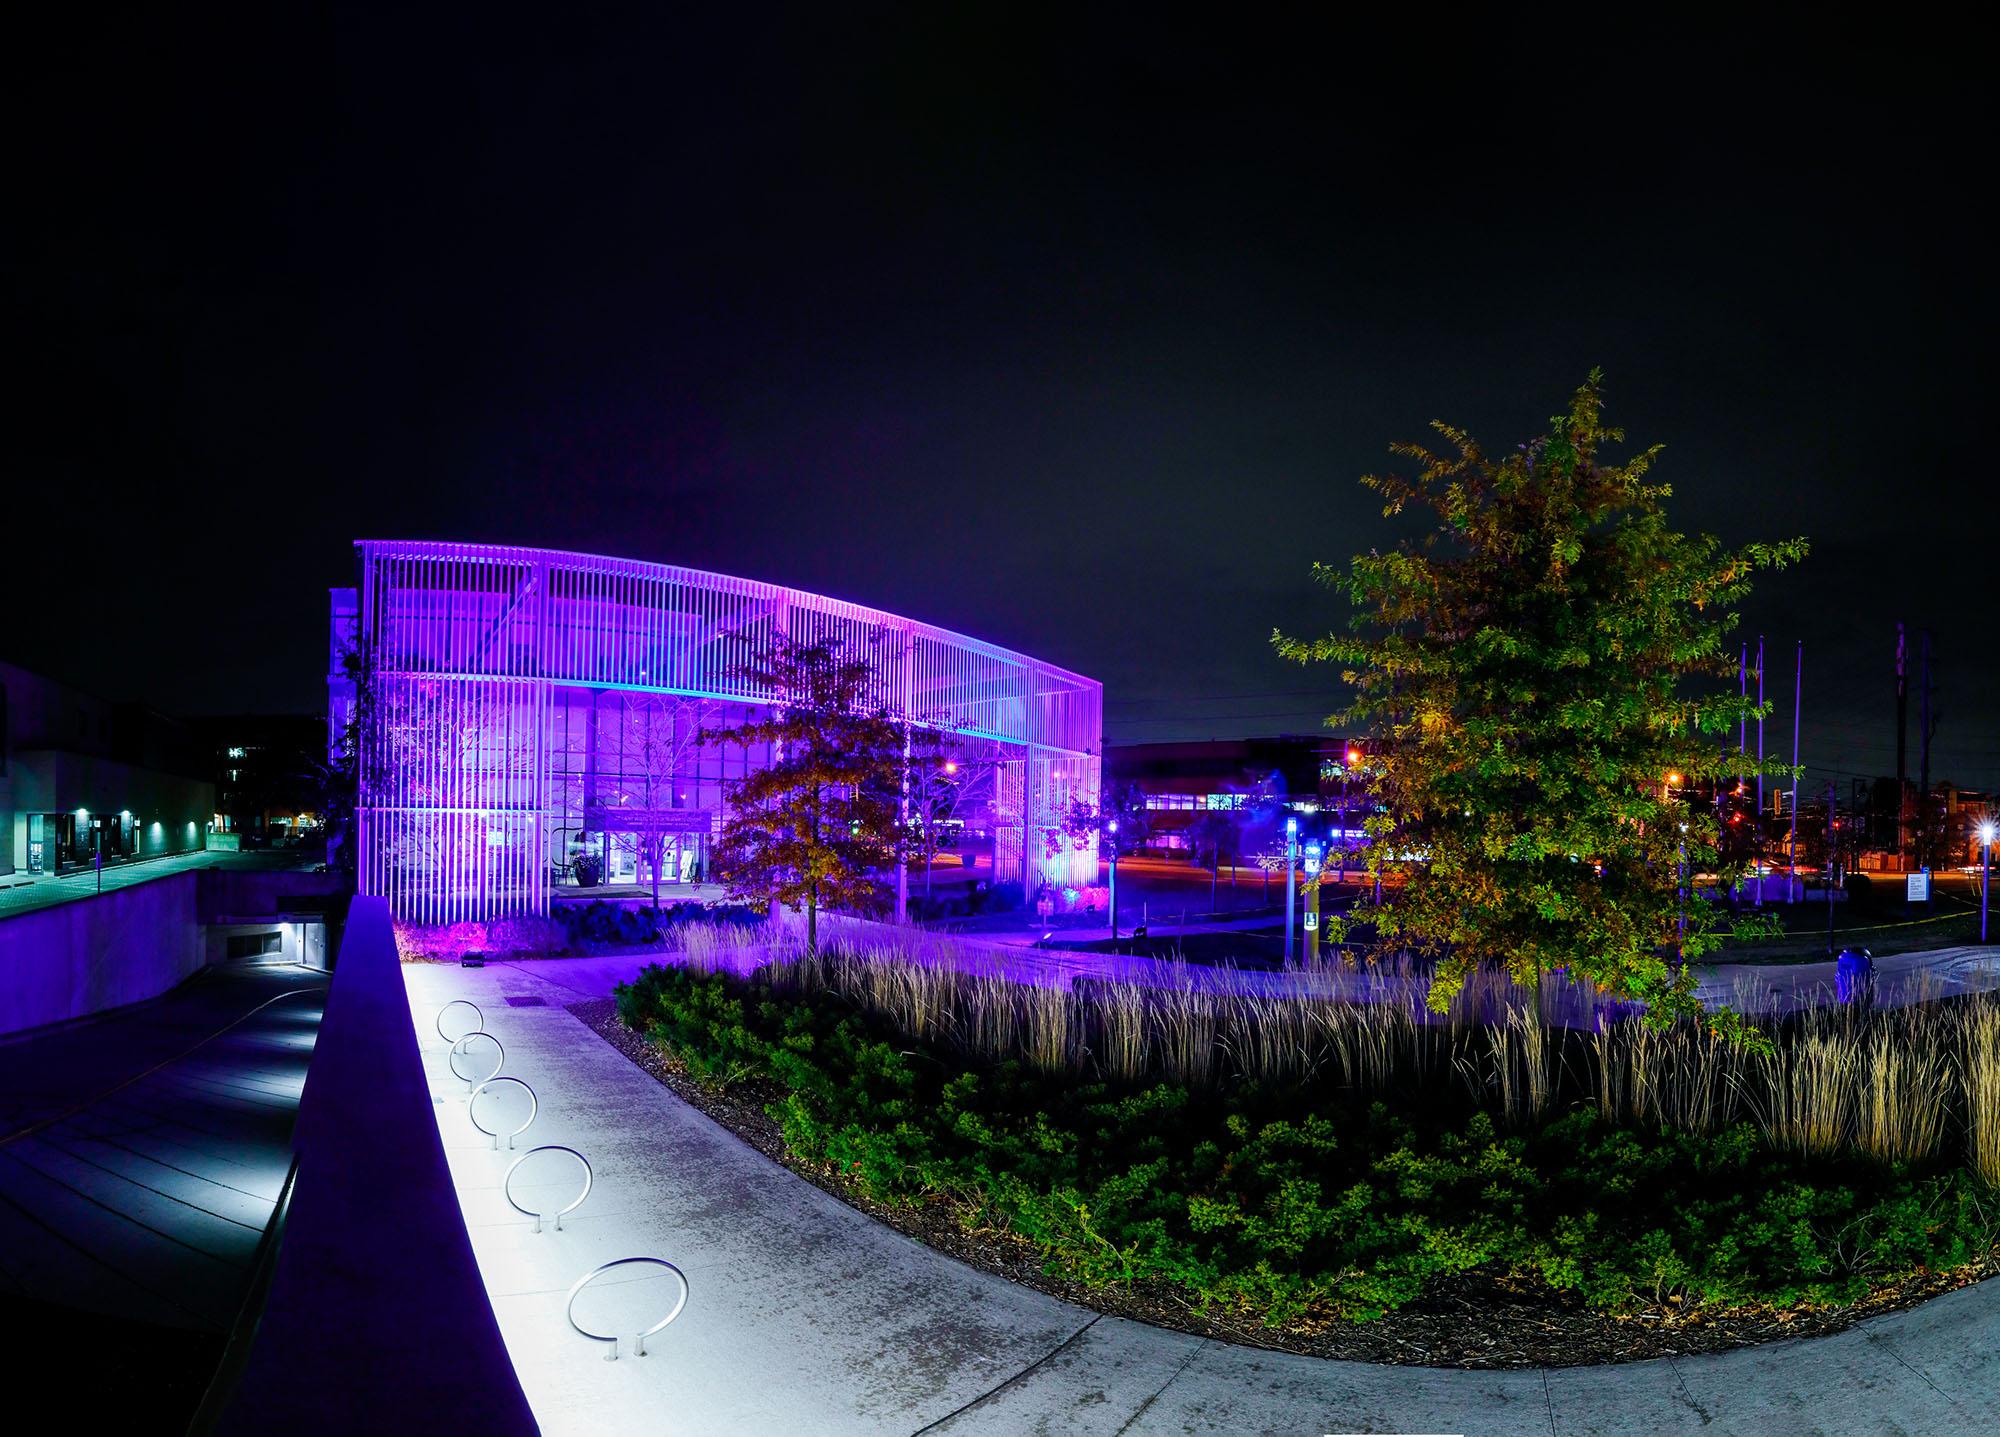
1312	907
1291	881
1112	903
1986	835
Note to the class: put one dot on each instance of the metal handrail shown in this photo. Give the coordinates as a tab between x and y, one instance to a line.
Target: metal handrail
506	1184
639	1340
471	1110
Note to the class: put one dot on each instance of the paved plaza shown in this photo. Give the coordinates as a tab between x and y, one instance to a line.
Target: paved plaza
806	1316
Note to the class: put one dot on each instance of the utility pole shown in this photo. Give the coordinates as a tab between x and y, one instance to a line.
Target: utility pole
1757	833
1742	714
1681	912
1831	856
1929	727
1742	738
1799	691
1902	747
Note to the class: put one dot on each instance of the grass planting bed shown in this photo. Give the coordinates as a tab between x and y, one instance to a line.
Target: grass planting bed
1352	1183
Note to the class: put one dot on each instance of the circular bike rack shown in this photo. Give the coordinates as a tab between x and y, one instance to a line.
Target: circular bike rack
472	1110
639	1339
478	1020
462	1048
507	1188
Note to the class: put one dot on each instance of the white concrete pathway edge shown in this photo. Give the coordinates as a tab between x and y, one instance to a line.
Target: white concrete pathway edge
807	1317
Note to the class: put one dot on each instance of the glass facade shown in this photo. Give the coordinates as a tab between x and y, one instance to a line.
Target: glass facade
536	719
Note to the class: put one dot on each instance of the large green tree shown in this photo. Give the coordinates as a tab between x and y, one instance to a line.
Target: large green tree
1546	674
815	826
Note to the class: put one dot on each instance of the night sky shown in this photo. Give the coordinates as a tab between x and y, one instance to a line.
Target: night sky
1070	335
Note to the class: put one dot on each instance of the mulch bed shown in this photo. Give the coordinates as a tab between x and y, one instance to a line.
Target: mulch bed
1472	1321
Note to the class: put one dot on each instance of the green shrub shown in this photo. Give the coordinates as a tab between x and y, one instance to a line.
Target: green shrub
1296	1205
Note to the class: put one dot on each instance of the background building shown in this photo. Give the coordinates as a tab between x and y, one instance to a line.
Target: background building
81	776
267	770
1255	779
531	712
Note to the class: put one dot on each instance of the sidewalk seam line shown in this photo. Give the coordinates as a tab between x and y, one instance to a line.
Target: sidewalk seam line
1879	1342
1024	1373
1174	1377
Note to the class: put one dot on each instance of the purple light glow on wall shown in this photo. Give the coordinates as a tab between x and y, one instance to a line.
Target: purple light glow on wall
500	671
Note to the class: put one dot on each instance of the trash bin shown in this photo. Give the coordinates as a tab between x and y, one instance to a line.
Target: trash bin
1854	976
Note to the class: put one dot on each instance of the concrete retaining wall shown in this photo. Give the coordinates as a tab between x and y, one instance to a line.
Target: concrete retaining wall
377	1318
122	946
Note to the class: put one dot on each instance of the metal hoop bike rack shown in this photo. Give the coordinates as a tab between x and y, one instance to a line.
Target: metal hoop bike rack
507	1190
472	1080
639	1340
479	1019
472	1110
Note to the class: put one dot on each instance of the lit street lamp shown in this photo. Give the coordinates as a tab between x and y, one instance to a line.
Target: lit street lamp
1291	880
1986	835
1112	902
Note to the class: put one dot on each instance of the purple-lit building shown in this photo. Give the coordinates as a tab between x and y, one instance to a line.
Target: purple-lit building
535	715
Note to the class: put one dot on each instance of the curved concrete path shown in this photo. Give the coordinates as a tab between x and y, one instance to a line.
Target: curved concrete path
807	1316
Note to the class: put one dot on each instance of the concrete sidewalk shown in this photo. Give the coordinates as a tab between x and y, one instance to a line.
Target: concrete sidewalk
1900	980
807	1316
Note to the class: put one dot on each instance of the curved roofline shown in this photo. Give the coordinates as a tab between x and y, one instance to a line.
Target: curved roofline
469	549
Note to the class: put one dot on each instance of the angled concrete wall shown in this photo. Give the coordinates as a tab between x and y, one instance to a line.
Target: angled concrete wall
121	946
